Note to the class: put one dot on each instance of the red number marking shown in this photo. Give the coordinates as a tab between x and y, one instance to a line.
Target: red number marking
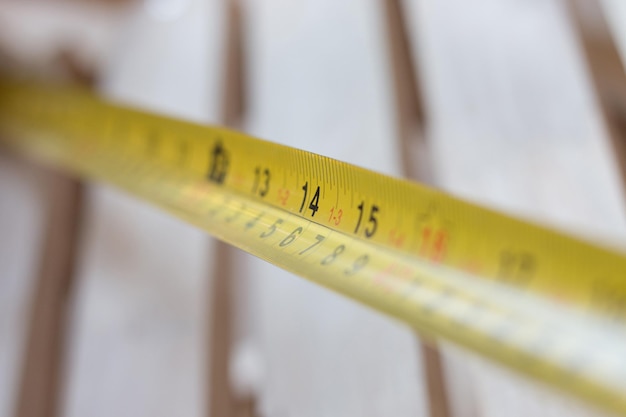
283	196
396	238
335	217
434	245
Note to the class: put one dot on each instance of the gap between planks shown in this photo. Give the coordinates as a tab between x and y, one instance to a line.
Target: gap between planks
222	398
43	365
410	122
606	71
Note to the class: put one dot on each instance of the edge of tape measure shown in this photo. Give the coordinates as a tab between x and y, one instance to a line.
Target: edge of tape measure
501	287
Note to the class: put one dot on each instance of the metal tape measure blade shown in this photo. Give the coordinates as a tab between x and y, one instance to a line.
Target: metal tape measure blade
496	285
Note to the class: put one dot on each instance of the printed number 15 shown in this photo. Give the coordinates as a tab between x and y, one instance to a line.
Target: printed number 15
373	222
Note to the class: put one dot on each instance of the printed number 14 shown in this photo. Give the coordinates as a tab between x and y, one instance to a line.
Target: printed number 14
314	204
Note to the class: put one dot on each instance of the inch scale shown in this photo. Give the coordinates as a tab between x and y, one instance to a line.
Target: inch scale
546	304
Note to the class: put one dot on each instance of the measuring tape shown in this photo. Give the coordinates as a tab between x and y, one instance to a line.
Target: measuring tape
543	303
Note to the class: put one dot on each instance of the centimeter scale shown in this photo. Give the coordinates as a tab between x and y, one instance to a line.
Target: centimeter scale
548	305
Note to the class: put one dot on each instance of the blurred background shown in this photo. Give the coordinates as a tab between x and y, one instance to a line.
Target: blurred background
109	307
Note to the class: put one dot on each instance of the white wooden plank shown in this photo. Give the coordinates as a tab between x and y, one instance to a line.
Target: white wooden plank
140	330
509	98
514	126
318	80
32	36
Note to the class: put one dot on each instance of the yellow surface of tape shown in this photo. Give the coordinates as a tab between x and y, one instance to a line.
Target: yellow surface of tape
543	303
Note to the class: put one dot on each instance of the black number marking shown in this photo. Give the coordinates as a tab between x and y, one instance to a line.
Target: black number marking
249	225
269	232
331	258
314	204
215	210
218	165
358	223
318	239
315	201
516	267
292	236
255	184
305	187
235	215
258	176
608	298
373	222
358	264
